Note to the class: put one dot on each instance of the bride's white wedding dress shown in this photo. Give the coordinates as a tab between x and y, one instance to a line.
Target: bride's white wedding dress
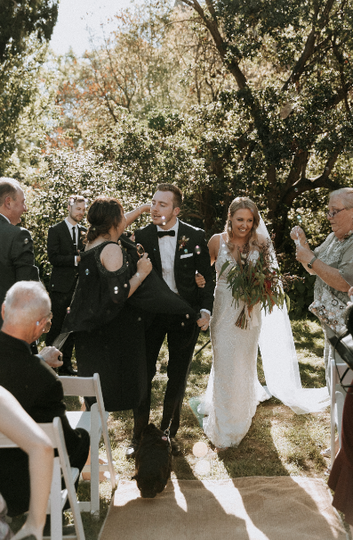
233	390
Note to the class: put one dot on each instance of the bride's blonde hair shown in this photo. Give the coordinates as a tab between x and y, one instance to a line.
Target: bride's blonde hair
237	204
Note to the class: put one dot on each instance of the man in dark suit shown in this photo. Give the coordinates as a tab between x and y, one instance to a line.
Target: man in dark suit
64	246
177	251
25	311
16	245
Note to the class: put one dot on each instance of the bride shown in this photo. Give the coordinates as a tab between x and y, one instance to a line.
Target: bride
233	390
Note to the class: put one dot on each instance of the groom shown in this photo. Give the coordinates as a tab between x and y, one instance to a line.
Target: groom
177	251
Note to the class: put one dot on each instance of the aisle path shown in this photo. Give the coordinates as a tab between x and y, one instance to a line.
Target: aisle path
252	508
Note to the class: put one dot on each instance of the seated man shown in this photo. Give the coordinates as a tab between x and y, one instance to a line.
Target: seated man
25	311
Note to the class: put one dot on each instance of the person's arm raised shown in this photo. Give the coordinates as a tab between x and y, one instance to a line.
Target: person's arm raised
134	214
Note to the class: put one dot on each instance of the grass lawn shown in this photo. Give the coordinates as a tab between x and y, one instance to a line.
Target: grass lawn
279	442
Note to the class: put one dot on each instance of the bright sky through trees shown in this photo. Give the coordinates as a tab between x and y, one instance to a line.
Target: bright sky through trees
80	18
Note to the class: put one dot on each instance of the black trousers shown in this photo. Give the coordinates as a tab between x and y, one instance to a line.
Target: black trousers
59	304
182	338
14	473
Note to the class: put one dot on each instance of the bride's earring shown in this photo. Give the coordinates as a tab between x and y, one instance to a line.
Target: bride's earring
230	226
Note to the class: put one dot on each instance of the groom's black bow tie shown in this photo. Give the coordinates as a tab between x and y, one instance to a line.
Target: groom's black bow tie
165	233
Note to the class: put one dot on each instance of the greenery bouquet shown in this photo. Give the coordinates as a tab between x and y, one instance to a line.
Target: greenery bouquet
255	281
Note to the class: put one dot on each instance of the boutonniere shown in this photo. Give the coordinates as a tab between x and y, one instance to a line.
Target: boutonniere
182	242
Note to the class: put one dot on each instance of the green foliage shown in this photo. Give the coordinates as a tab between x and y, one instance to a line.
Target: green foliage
154	60
301	295
293	69
68	172
224	98
20	20
25	27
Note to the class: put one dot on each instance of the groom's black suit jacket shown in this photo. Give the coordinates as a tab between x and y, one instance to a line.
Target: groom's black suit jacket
61	253
189	258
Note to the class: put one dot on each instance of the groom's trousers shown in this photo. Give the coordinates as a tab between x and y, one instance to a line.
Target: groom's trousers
182	337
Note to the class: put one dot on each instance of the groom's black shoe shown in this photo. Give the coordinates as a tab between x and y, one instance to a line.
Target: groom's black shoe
130	452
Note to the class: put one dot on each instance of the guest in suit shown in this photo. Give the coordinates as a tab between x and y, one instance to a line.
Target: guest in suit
64	247
16	245
34	384
177	251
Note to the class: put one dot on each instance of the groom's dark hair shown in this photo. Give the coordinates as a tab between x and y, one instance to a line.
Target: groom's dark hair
178	194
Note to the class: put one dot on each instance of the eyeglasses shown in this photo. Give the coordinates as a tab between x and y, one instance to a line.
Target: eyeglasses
334	213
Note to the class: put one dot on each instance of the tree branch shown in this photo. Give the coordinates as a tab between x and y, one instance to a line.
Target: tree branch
212	26
310	45
307	184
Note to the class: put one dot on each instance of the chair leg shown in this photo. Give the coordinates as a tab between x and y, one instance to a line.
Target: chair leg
56	524
94	460
333	409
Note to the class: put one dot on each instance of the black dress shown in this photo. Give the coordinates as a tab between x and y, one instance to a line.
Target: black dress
110	327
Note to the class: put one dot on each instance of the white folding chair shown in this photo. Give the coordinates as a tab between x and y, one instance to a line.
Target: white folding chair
95	422
58	496
338	396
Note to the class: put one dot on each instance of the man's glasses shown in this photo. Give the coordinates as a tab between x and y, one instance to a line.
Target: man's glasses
334	213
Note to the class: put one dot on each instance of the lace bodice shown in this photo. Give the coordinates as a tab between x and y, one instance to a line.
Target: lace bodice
224	255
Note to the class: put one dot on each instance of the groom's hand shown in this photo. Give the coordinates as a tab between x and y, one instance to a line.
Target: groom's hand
204	321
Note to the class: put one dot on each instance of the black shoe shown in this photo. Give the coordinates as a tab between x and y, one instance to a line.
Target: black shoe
67	370
176	448
130	452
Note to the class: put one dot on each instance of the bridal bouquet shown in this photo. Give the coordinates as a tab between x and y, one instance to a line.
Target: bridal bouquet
255	281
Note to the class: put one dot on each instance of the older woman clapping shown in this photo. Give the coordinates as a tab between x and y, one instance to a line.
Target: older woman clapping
332	263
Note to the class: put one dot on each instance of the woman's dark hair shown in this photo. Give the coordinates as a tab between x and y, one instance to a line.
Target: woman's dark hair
104	213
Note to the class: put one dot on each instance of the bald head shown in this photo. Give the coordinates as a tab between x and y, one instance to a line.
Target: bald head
12	200
26	302
8	188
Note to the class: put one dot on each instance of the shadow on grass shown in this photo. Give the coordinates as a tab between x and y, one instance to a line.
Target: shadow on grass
308	335
312	376
257	454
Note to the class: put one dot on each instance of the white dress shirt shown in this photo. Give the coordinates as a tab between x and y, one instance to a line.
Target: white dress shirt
167	248
70	227
7	219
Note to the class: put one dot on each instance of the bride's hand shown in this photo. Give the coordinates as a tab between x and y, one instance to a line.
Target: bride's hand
200	280
204	321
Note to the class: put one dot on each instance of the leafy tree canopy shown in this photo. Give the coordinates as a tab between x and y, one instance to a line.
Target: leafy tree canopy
21	19
25	27
294	74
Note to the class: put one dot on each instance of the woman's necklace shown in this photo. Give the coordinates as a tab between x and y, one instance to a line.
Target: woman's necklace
239	251
241	248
